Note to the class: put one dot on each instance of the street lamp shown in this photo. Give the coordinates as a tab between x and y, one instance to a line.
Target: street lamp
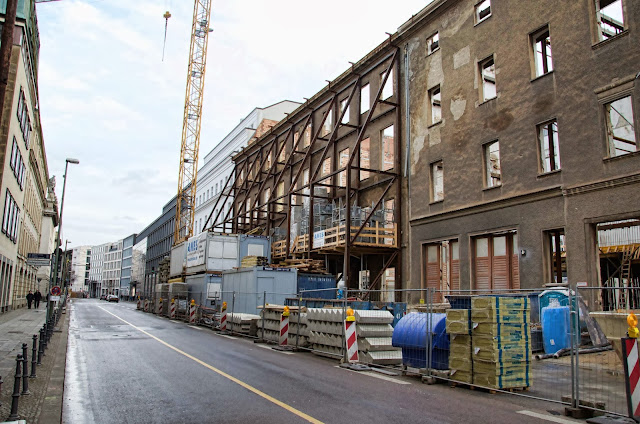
54	279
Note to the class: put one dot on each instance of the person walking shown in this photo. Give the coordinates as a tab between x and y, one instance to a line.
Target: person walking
37	296
29	299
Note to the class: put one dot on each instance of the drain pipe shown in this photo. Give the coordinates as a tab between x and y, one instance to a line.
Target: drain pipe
407	130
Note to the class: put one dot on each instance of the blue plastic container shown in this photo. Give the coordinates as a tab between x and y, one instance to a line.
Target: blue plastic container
410	334
555	328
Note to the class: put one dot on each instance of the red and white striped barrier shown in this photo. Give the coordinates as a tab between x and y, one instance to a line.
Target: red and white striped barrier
160	306
223	317
146	305
632	373
138	306
172	311
350	337
192	312
284	328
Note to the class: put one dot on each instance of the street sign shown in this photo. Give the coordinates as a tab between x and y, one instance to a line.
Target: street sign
55	291
54	298
38	259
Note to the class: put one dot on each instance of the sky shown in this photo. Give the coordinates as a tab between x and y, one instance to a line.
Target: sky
109	100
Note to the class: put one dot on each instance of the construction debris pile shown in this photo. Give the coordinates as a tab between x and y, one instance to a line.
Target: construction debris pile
251	261
304	265
490	344
271	315
373	329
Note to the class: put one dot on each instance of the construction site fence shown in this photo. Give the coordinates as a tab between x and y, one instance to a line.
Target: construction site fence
559	344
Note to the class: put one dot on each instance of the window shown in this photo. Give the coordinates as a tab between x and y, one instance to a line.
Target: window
441	267
433	43
344	107
306	136
326	128
364	98
437	182
621	137
541	43
22	113
434	105
483	10
268	162
556	256
216	188
17	164
344	158
609	17
389	222
495	261
365	158
280	194
11	217
549	148
326	170
488	77
388	154
387	91
493	174
282	158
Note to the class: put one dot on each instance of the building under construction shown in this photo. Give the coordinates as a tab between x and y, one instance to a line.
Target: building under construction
324	183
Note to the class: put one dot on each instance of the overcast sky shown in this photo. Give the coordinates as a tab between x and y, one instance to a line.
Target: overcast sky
108	100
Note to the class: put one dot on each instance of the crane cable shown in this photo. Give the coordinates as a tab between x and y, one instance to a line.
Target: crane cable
166	16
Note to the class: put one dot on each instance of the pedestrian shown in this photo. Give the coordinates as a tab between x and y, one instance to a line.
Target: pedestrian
37	296
29	299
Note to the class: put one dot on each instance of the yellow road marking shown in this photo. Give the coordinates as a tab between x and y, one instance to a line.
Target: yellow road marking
224	374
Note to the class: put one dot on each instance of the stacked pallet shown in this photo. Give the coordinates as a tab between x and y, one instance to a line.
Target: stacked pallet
501	344
272	315
243	323
458	327
251	261
373	329
304	265
164	268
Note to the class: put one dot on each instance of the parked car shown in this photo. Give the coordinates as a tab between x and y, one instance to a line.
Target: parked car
112	298
103	297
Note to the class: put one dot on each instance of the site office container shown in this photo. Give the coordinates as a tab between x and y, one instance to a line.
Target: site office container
220	252
205	288
177	262
250	285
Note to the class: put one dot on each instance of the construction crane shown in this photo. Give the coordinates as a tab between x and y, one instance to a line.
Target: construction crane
185	204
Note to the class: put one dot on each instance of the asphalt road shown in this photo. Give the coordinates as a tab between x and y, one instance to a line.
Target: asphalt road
127	366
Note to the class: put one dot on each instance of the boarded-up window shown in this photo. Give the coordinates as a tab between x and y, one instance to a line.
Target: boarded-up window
365	158
388	148
496	262
344	158
437	183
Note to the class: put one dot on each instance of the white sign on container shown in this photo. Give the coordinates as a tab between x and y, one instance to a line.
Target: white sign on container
196	250
318	239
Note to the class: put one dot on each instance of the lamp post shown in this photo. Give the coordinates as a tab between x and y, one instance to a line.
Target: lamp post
54	279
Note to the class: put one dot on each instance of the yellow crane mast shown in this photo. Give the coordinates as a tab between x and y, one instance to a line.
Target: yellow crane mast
192	120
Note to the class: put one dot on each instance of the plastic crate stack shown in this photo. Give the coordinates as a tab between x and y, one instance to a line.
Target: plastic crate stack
501	342
373	329
272	315
458	327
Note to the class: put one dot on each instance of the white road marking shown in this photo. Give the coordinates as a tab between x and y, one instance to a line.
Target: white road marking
545	417
223	374
376	375
224	335
271	348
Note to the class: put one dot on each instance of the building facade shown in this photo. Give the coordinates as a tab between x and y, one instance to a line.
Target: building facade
214	176
95	271
79	272
112	268
24	173
126	266
521	149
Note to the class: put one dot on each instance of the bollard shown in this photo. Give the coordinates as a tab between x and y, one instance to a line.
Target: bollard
172	312
146	305
40	349
223	317
350	337
25	370
192	312
138	303
16	391
284	327
44	340
160	306
33	357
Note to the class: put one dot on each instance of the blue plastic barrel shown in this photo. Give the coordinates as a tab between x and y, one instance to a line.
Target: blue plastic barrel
555	328
410	334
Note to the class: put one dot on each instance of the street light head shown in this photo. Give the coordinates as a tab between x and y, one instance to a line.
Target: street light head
72	160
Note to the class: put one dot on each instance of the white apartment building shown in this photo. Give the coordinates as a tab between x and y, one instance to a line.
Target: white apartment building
79	269
218	166
111	268
96	263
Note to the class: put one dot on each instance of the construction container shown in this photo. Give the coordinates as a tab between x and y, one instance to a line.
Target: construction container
178	257
321	282
250	284
205	288
221	252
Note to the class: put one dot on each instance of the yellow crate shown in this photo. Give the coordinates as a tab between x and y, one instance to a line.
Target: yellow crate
492	302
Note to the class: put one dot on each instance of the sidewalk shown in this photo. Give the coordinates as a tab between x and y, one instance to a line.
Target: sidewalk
45	400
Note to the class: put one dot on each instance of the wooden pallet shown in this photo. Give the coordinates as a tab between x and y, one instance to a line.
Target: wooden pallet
305	265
